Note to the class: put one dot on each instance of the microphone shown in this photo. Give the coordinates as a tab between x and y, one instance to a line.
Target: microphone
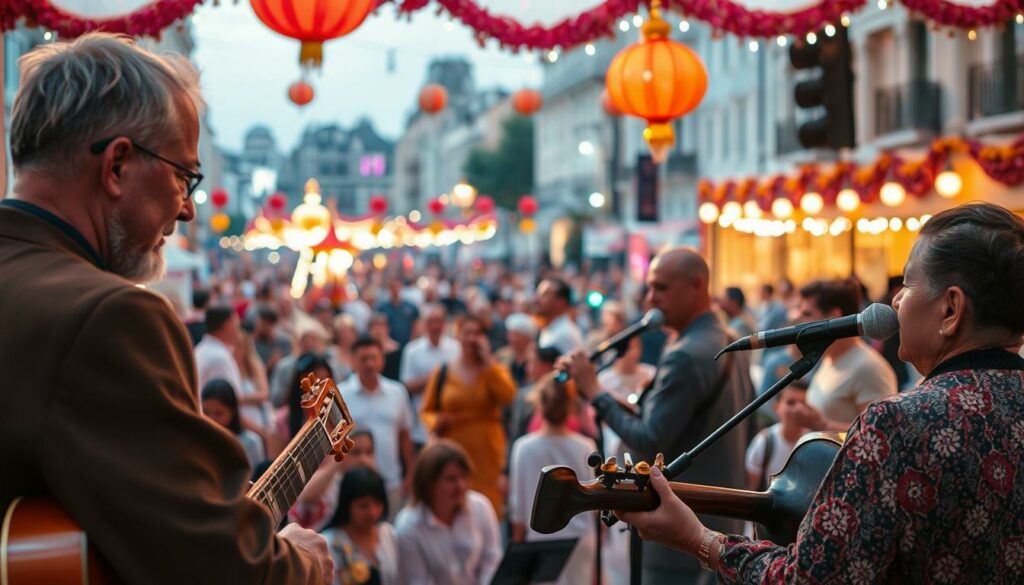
652	319
877	322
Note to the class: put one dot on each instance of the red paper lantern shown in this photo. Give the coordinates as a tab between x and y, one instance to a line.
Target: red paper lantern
312	21
658	80
527	101
435	206
608	105
485	204
277	201
219	197
378	204
527	205
300	92
433	98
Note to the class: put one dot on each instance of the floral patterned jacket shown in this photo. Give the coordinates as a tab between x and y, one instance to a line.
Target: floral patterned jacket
928	488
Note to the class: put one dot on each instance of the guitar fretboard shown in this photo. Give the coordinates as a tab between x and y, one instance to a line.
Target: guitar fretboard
281	484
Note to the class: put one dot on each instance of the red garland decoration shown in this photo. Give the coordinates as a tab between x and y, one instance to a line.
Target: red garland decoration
146	21
600	21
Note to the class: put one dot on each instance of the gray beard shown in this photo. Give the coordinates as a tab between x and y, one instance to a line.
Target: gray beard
139	267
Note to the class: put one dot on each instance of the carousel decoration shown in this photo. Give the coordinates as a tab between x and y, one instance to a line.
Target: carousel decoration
657	79
312	22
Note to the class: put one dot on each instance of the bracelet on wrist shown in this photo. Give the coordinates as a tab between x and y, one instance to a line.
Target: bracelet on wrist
709	538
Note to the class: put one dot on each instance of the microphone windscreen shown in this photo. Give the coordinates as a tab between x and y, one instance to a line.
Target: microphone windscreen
879	321
654	319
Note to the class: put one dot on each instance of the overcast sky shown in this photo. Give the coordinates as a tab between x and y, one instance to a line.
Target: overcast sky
247	68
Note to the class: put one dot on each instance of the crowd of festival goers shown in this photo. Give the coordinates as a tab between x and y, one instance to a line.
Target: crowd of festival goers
448	380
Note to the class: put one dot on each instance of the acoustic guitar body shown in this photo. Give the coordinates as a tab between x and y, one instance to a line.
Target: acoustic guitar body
40	544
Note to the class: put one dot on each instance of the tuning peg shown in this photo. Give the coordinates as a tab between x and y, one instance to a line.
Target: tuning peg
659	461
627	462
610	465
642	468
349	444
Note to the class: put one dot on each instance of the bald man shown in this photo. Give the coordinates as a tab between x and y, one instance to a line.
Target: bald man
691	397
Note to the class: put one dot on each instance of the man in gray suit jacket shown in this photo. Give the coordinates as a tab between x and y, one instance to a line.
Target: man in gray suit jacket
692	395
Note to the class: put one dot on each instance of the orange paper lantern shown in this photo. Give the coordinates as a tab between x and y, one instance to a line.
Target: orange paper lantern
658	80
312	21
300	92
433	98
527	101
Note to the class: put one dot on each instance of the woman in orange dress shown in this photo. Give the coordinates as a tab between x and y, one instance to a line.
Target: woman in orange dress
463	403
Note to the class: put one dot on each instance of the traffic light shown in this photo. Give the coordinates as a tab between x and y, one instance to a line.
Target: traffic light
832	89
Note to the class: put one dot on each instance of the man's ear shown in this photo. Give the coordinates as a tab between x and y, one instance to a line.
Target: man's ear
114	159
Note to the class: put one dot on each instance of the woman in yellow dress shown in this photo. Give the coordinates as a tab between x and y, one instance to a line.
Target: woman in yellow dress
463	403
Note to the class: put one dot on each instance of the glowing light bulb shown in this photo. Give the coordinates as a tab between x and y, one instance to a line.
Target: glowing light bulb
949	184
782	208
708	212
812	203
752	209
893	194
848	200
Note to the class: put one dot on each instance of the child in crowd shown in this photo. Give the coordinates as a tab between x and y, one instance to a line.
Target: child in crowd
364	546
769	450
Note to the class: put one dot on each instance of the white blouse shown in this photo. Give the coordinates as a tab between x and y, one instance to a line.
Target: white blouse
432	553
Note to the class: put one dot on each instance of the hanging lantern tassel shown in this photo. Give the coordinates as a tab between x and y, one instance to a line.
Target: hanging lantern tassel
311	54
660	138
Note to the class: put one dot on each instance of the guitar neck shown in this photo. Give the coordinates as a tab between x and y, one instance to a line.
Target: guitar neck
279	487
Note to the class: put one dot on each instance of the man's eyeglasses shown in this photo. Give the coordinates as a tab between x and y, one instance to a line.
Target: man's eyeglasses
190	178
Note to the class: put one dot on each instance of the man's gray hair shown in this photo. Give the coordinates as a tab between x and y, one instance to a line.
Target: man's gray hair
97	86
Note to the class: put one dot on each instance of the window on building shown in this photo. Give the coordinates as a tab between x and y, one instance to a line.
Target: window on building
741	129
726	131
372	165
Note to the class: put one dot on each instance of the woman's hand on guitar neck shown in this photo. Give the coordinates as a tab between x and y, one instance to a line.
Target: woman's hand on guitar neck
672	523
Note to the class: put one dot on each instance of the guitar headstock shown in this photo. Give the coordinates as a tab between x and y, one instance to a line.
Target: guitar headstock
560	495
322	401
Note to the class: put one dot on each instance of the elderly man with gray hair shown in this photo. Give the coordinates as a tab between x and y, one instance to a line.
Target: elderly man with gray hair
100	411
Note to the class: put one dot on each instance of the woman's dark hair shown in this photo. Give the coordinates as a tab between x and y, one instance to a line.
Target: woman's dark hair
430	465
358	482
462	320
833	294
305	364
980	248
222	391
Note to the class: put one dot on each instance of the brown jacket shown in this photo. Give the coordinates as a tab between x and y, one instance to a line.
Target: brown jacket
99	410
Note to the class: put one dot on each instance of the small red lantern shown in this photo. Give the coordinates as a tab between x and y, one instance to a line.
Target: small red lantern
433	98
378	204
609	106
300	92
277	201
527	205
527	101
435	206
485	204
219	197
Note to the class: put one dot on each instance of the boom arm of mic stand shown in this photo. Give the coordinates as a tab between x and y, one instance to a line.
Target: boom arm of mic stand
811	353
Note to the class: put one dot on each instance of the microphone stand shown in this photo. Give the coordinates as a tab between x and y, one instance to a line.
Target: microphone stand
810	354
599	440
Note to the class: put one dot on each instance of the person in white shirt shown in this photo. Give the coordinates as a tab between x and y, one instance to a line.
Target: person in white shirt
770	449
382	406
421	357
851	374
449	535
554	298
553	444
215	358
